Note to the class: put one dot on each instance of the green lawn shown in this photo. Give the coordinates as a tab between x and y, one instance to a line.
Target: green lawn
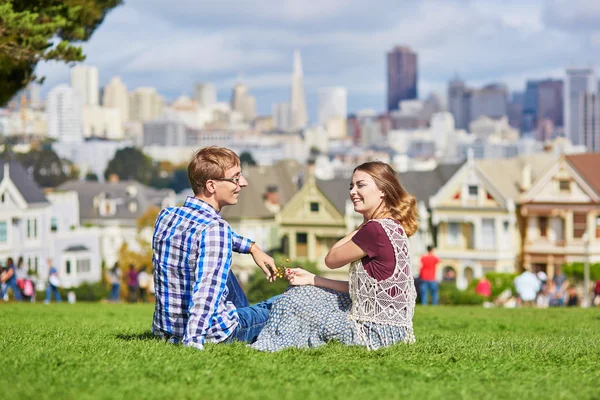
106	351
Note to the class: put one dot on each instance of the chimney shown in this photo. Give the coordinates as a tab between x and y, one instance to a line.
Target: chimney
6	171
113	178
271	198
526	178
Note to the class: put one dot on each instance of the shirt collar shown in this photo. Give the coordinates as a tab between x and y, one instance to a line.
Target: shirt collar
198	204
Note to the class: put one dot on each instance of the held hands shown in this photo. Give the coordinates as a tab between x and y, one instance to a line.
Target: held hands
299	277
264	262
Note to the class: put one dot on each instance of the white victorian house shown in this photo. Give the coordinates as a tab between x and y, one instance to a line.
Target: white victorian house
39	227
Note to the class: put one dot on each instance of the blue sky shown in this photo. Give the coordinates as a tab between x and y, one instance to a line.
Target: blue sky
173	44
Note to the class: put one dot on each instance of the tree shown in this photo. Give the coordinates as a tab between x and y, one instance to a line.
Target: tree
130	163
47	169
36	30
246	158
179	180
91	177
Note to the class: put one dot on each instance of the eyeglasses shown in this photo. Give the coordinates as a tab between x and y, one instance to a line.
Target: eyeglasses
235	180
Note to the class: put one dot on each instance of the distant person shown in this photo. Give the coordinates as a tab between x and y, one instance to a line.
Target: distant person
561	284
132	283
115	283
427	277
596	299
449	276
527	286
484	287
143	279
9	280
573	297
53	284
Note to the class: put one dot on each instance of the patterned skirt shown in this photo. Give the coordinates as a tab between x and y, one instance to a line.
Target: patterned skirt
309	316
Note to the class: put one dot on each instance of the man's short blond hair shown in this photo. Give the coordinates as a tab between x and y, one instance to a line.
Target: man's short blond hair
210	163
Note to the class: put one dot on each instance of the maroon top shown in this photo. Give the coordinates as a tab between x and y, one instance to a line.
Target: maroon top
380	261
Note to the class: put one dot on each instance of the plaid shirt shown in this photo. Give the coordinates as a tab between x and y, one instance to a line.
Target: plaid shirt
192	248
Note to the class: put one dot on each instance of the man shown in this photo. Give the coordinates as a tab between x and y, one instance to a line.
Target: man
53	284
198	299
561	283
427	277
527	285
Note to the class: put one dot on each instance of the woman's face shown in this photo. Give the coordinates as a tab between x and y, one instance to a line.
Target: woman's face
364	194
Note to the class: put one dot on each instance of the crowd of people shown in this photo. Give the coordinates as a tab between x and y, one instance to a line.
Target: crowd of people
140	284
21	283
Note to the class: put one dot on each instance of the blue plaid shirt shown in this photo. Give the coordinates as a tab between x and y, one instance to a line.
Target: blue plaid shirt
192	248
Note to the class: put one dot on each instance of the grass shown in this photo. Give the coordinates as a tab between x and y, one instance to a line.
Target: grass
106	351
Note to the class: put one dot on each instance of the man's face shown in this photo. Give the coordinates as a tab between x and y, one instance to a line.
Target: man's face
227	190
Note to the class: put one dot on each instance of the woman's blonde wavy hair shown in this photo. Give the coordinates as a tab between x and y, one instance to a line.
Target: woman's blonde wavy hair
401	205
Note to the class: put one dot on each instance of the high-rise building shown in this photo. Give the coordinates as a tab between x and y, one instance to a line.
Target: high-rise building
589	125
459	103
530	106
579	82
243	102
64	114
205	94
550	101
116	96
299	117
84	79
490	101
145	104
282	113
401	76
333	102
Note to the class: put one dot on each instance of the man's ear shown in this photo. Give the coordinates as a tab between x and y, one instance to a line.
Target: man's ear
210	187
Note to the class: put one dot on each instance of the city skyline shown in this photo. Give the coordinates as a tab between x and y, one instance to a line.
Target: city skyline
173	47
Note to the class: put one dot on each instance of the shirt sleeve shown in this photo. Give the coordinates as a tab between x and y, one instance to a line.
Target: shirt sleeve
367	238
240	243
212	270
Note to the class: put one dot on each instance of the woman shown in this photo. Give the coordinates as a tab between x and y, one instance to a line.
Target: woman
375	307
115	283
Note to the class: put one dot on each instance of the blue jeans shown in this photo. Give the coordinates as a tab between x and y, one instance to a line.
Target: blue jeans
50	290
11	284
252	318
115	290
429	287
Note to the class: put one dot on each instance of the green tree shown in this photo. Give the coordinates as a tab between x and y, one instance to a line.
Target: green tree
131	163
35	30
247	158
179	180
47	168
91	177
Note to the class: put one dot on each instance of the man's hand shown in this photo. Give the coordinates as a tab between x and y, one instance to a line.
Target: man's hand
264	262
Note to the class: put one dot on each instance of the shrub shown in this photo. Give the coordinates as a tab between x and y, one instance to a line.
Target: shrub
574	271
451	295
259	289
87	292
500	282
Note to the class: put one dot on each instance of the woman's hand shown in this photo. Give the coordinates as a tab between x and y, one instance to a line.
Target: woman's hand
299	277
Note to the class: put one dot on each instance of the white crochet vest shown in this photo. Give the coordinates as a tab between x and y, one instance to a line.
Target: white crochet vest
391	301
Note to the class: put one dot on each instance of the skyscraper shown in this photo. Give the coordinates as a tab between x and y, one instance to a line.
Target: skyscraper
205	94
332	103
490	101
145	104
84	79
242	102
299	117
589	124
550	101
459	103
64	114
116	96
579	82
401	76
